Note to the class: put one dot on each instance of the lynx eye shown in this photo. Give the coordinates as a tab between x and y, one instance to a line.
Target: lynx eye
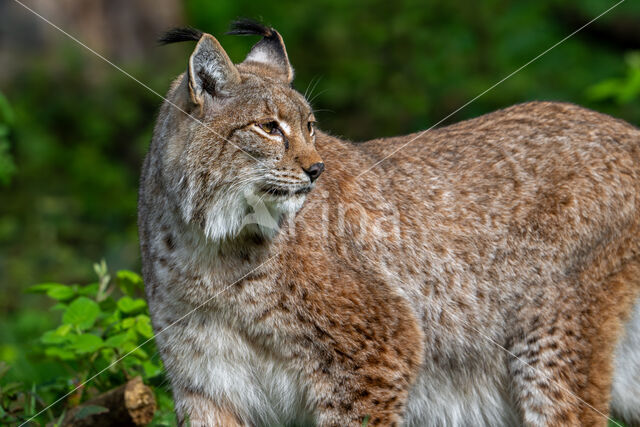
271	128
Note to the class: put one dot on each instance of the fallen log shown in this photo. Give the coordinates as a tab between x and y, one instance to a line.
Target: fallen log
131	404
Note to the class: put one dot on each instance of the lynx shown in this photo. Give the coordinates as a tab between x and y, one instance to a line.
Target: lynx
484	273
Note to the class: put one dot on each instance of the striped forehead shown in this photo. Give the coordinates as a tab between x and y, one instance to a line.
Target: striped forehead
277	101
287	112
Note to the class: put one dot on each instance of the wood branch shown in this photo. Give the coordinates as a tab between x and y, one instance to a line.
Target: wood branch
131	404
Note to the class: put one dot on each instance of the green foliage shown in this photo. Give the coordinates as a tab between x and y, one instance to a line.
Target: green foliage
79	147
16	403
621	90
104	337
389	68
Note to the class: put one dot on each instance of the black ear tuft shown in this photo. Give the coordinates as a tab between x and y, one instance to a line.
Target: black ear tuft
176	35
246	26
269	52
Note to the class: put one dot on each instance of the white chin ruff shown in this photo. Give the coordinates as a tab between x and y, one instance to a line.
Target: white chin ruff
233	212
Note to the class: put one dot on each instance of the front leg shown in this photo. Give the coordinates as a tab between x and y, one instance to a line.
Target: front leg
206	380
547	375
562	362
196	410
352	401
361	363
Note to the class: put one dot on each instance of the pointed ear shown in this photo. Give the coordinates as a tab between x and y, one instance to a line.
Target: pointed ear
269	52
210	70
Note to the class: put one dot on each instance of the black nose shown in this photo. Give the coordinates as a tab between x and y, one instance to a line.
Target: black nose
314	171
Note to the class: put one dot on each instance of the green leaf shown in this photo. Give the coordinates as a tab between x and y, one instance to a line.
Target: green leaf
603	90
89	290
62	293
128	281
129	305
63	330
107	354
87	343
133	336
50	337
58	336
87	411
135	350
134	278
109	305
151	369
82	313
117	341
42	287
132	363
59	307
112	321
60	353
143	326
54	290
128	323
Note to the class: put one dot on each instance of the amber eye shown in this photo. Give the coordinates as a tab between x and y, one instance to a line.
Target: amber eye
271	128
310	127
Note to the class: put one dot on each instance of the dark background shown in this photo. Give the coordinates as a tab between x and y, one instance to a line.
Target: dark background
74	130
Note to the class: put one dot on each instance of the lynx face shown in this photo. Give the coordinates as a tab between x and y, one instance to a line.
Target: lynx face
249	159
279	133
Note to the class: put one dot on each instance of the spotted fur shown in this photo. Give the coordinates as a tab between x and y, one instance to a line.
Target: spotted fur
485	274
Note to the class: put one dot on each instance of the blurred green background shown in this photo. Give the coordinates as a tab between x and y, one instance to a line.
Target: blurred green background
74	130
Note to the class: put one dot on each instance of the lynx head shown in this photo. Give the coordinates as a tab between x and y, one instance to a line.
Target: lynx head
242	139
